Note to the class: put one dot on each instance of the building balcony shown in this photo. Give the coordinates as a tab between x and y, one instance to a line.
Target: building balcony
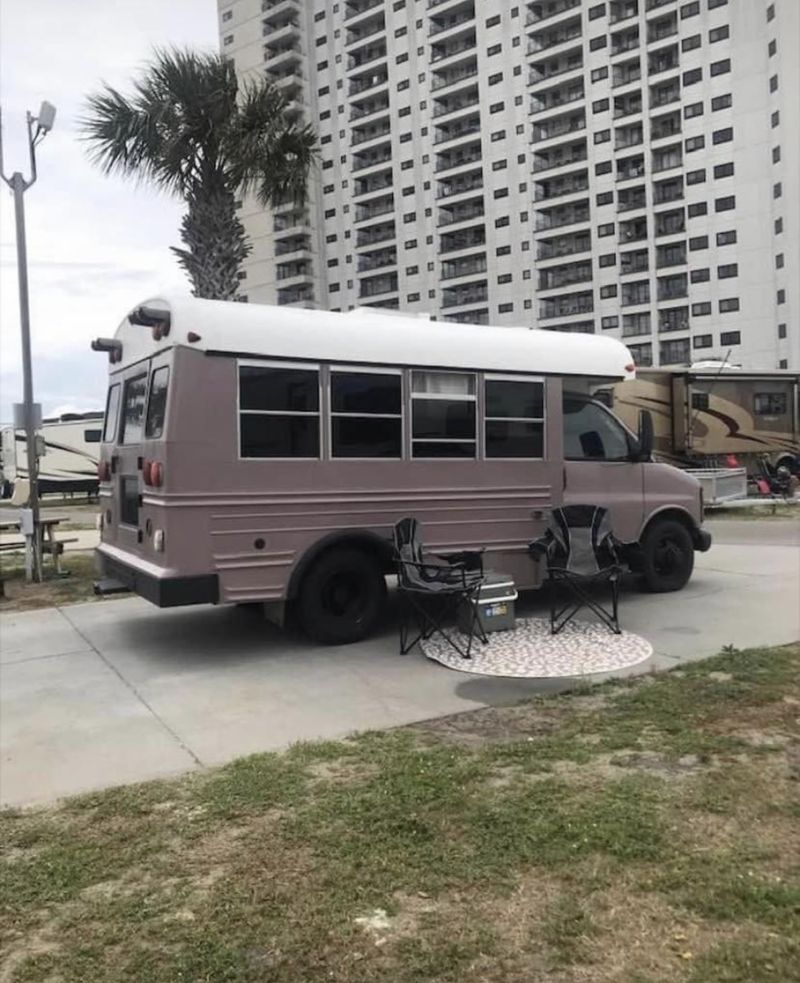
636	324
293	270
466	266
447	49
663	95
293	246
630	199
666	159
378	104
558	277
635	294
631	168
673	287
543	102
565	245
377	260
380	206
573	327
374	286
451	187
456	102
371	131
626	137
450	242
464	211
550	68
278	55
621	10
661	28
626	73
364	56
623	41
637	261
369	80
540	12
287	26
451	18
665	60
289	79
372	184
457	129
356	8
274	11
468	293
458	157
480	316
627	105
670	223
301	294
667	191
289	221
454	74
556	218
561	186
561	156
552	38
672	255
633	230
673	319
666	126
373	158
559	126
375	233
572	305
365	29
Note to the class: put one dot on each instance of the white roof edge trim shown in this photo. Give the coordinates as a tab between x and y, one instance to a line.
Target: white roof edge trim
364	338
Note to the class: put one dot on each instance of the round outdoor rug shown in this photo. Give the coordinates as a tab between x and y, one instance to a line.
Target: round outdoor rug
530	650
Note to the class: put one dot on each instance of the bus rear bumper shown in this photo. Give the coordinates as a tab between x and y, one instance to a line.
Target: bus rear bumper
163	591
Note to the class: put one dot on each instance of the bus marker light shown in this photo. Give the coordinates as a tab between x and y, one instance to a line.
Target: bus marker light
158	540
192	337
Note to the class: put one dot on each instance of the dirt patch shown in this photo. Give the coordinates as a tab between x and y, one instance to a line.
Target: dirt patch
341	770
491	724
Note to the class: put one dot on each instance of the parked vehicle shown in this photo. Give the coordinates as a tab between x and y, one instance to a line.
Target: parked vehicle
701	417
71	450
263	454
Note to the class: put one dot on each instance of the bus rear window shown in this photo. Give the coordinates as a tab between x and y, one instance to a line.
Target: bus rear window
157	403
112	414
133	409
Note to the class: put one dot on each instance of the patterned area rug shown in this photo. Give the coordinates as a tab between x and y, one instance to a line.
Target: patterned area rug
531	651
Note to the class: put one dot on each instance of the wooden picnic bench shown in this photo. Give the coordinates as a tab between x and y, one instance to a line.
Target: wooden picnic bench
51	545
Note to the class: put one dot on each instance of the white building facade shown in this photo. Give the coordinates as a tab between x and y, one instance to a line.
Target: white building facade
628	167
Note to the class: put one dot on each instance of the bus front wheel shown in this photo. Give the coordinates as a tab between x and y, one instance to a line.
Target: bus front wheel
342	597
667	557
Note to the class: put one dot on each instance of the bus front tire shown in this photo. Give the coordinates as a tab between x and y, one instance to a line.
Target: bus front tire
342	597
667	556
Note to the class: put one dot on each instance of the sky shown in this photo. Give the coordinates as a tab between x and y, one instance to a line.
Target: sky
96	245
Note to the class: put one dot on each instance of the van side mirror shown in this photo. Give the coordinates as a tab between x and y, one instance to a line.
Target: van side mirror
645	435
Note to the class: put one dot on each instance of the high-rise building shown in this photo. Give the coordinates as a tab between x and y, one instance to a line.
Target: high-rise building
629	167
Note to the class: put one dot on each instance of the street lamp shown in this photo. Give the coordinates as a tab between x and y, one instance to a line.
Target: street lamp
43	123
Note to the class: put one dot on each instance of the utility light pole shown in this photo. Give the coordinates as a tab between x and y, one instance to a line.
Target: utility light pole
44	123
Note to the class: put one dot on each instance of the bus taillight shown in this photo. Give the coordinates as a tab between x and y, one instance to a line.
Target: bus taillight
153	474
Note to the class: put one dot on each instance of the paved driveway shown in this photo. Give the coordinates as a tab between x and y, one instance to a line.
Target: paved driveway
102	694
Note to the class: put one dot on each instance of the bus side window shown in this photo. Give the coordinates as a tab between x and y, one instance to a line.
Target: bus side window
592	434
157	403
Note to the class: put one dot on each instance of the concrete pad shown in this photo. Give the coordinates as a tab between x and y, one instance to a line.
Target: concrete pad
69	724
37	635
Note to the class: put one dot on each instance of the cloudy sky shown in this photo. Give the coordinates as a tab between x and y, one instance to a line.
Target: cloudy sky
96	245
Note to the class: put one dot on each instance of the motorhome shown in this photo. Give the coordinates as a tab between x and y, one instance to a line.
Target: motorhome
69	446
258	454
704	414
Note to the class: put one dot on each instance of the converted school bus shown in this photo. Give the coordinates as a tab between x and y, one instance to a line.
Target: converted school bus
263	454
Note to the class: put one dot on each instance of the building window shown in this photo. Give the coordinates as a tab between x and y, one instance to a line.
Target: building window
781	296
493	21
720	67
719	33
726	238
772	48
722	136
697	208
228	15
695	109
499	165
443	414
773	83
496	78
604	167
695	143
605	198
689	44
702	341
505	278
642	354
497	107
698	242
599	73
228	39
605	230
776	155
723	170
674	352
727	270
600	105
612	321
725	204
514	426
779	261
597	11
609	259
690	9
505	308
501	193
696	177
693	76
278	411
366	414
602	136
781	330
730	338
700	276
609	290
599	42
728	304
716	3
501	222
775	119
721	102
701	309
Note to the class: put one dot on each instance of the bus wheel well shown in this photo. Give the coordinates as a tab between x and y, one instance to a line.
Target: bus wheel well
675	515
370	543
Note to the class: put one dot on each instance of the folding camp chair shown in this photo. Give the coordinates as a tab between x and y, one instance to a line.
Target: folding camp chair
431	588
581	552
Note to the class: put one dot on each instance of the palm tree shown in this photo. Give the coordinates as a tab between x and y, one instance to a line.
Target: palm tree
191	129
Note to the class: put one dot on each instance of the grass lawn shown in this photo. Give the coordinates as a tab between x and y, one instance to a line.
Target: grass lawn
638	832
768	510
53	591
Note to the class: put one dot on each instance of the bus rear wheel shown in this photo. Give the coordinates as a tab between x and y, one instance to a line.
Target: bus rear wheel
667	558
342	597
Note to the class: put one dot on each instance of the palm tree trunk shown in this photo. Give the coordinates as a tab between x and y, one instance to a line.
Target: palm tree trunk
215	245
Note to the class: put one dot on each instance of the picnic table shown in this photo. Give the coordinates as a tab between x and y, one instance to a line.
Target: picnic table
51	545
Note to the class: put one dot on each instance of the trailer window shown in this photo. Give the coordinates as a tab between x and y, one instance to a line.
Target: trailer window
133	398
366	414
279	411
112	414
591	433
157	403
443	414
770	404
92	436
514	425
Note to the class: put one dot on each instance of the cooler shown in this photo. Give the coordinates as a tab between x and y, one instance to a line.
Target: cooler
495	602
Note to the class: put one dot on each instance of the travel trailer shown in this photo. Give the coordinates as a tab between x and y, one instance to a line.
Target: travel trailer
71	446
704	413
263	454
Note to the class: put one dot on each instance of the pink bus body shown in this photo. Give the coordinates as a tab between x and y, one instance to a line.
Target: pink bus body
263	454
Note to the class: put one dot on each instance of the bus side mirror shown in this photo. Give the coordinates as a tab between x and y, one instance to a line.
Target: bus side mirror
645	435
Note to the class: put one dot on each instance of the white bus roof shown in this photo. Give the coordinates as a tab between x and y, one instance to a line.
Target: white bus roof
369	336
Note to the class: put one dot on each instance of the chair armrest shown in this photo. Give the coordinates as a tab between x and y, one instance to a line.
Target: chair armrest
469	559
539	549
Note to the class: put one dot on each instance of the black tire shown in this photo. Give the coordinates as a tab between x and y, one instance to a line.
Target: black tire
342	597
667	556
